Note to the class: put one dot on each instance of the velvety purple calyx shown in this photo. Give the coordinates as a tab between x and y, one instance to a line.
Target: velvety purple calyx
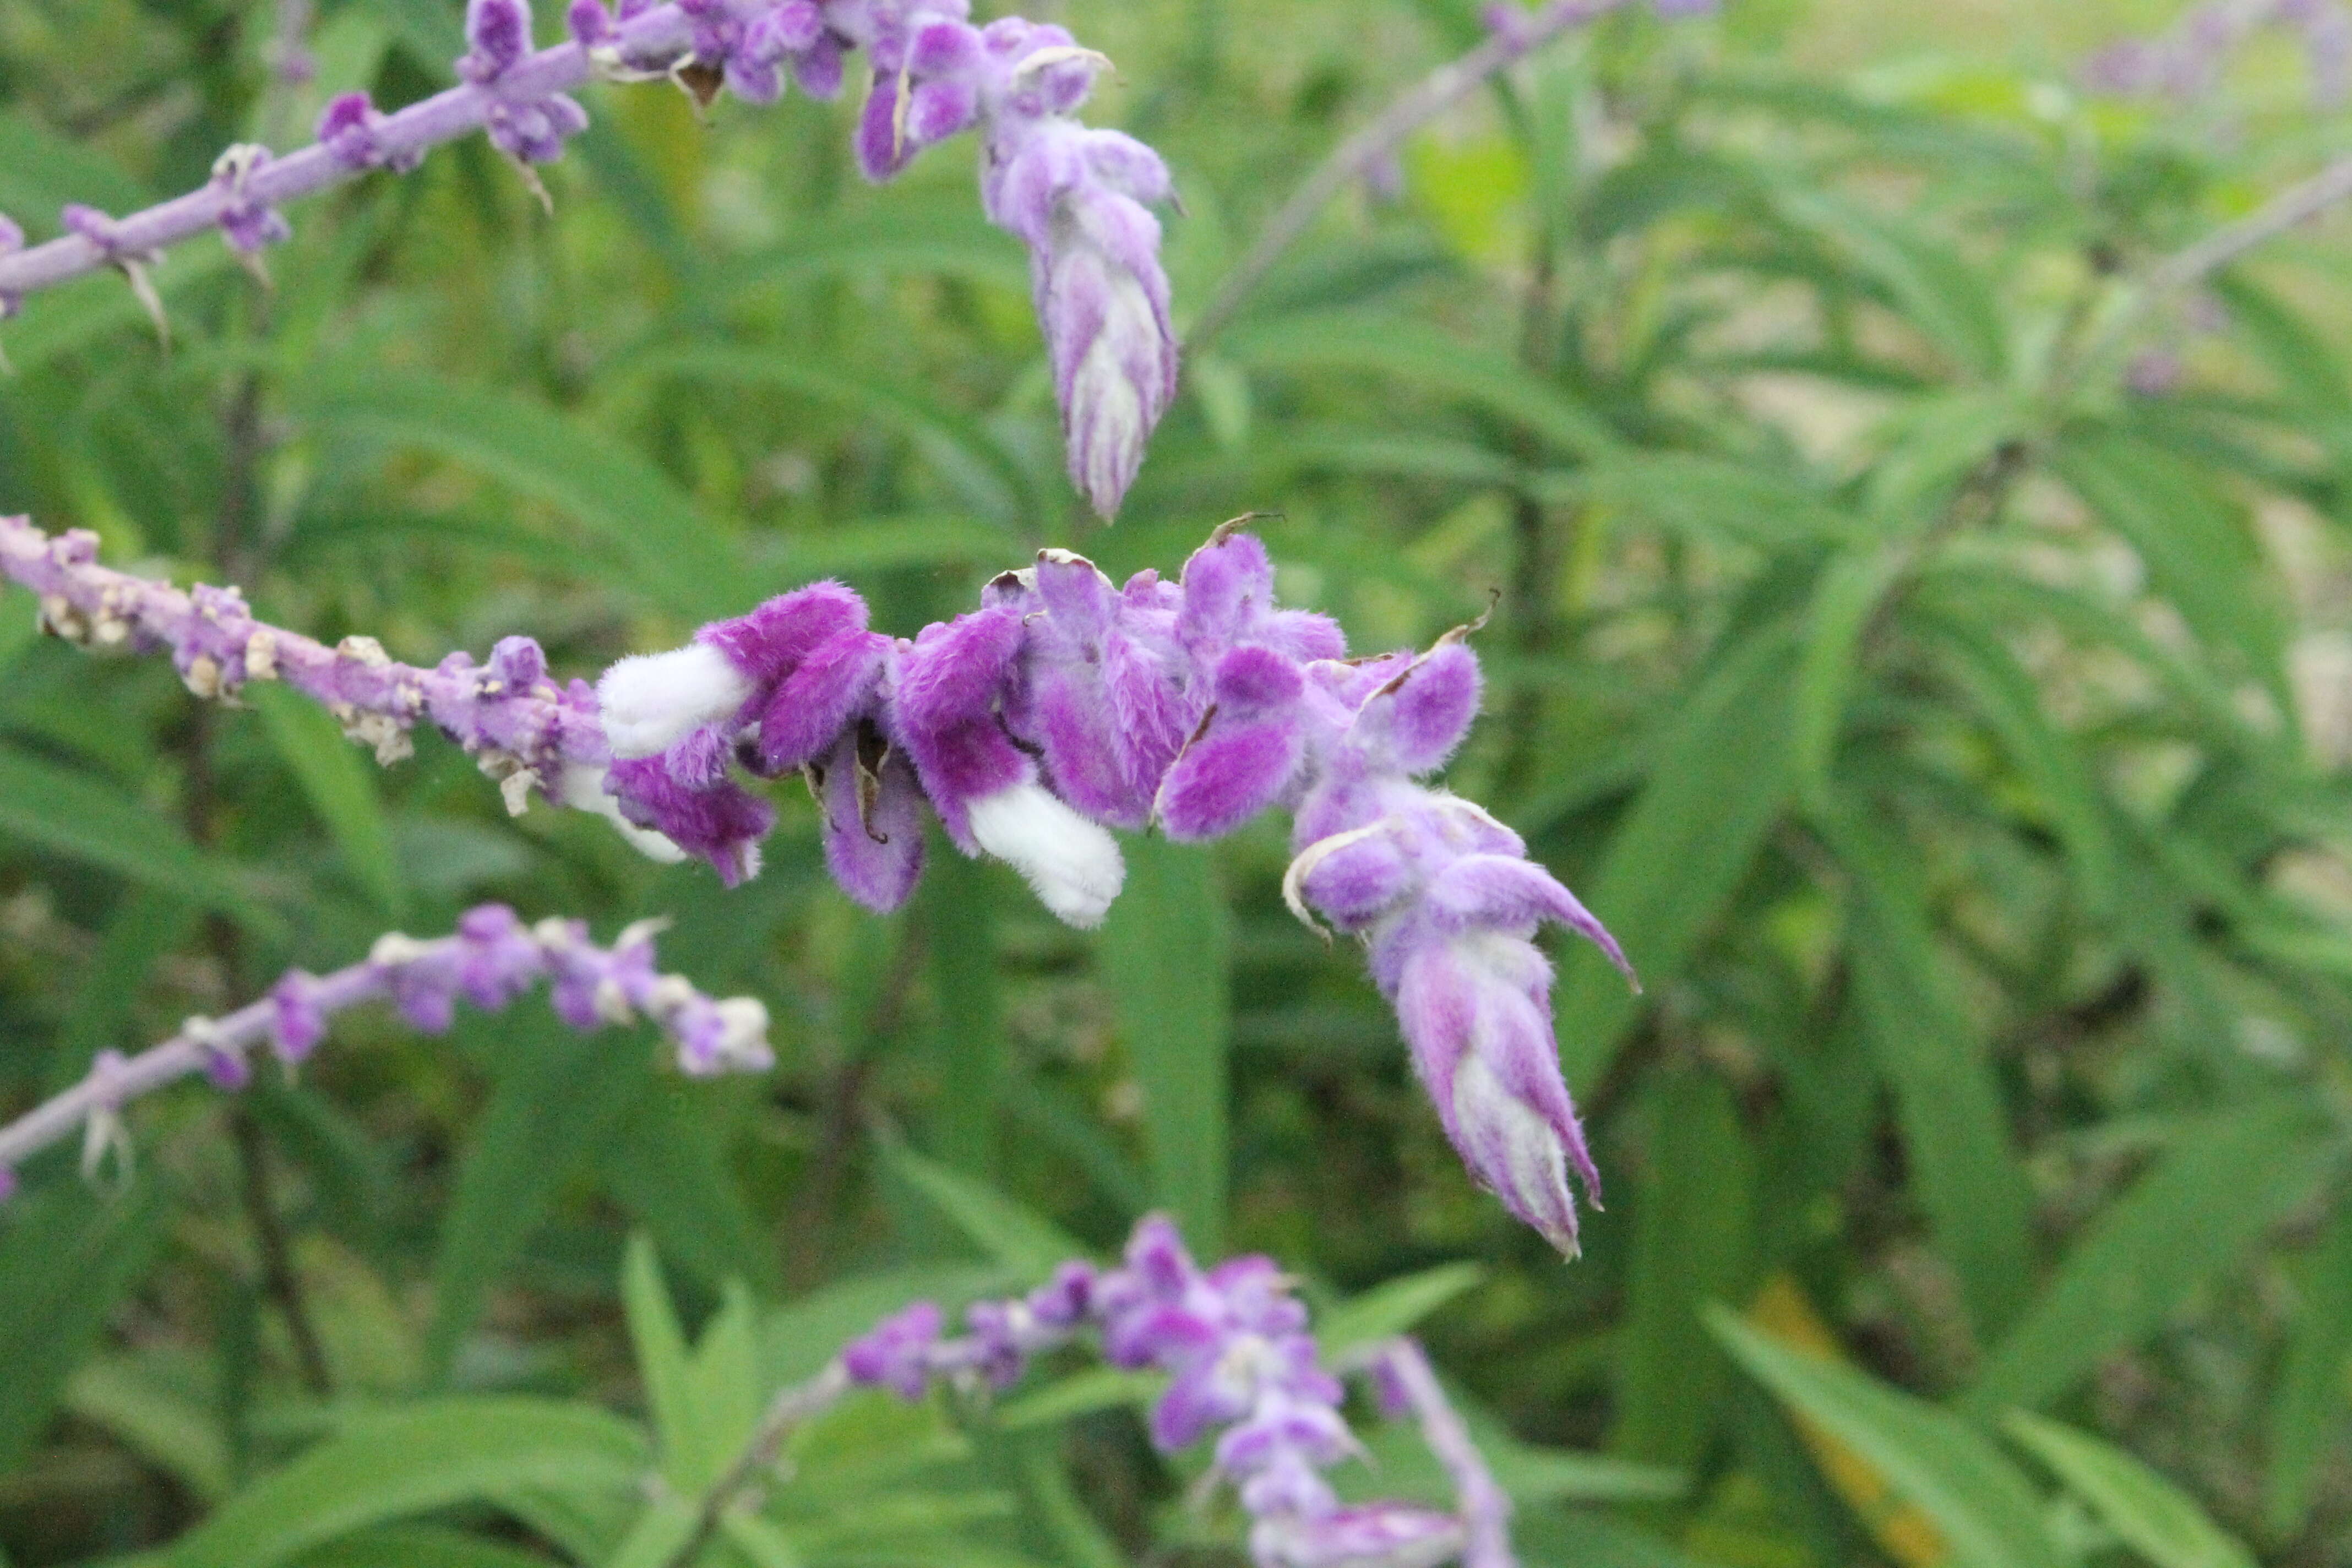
247	223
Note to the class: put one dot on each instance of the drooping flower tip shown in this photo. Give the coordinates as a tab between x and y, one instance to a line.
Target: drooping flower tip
650	702
1081	199
1072	864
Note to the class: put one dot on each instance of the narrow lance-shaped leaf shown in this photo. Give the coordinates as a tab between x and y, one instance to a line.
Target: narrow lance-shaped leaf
340	785
1165	954
1986	1510
1694	1215
428	1455
1930	1051
1718	778
2227	1179
2153	1517
2308	1407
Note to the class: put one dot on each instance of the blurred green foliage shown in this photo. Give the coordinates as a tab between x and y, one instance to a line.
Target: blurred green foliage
1955	737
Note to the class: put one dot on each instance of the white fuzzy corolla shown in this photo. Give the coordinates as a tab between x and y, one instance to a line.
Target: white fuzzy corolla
650	702
1515	1150
1072	864
1114	396
582	788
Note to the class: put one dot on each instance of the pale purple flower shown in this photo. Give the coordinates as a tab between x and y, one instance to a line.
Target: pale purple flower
352	131
1242	1369
490	962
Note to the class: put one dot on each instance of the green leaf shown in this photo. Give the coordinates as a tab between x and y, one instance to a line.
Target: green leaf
157	1418
147	925
989	477
1924	277
652	541
1845	600
666	1162
1715	498
889	544
2306	1415
1083	1392
421	1546
68	1254
1986	1510
2197	549
657	1534
662	1364
60	321
430	1454
341	786
78	816
1693	1223
909	238
1394	1306
1417	355
2227	1180
41	170
1021	1239
560	1095
2153	1517
959	921
1165	954
1929	1050
2010	700
1720	775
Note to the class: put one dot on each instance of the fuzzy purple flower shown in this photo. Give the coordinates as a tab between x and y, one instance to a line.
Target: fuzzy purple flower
1242	1368
491	961
247	223
1066	705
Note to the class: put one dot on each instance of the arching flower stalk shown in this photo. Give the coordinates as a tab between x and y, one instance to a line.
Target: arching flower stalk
1067	706
1062	708
1242	1367
1079	198
491	960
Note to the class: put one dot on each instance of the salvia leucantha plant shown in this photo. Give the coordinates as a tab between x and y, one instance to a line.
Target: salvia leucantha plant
1853	553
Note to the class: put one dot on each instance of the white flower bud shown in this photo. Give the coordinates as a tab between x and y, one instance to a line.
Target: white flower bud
651	701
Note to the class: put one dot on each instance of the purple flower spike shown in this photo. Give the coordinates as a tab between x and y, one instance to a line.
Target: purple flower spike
1081	199
1242	1368
490	959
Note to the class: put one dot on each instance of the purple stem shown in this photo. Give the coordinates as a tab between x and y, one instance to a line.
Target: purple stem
489	960
664	31
1403	1366
508	715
